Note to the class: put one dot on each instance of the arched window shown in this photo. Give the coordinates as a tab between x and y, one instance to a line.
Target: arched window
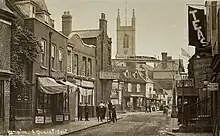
126	41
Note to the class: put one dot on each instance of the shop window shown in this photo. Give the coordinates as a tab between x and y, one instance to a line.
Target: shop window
53	55
43	103
65	102
23	102
1	98
76	64
60	59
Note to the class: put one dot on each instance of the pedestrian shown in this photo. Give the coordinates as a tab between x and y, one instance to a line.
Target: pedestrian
149	107
101	110
114	116
86	112
97	112
110	109
146	108
104	110
80	110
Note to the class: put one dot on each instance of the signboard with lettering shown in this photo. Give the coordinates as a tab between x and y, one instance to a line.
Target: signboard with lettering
48	119
185	83
200	66
212	87
59	117
39	119
87	84
109	75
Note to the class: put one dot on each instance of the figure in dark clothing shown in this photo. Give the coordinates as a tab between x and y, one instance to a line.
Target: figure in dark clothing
80	110
97	112
101	110
146	108
149	107
110	109
86	112
114	116
104	112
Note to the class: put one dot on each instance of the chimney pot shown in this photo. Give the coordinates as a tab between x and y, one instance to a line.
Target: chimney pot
102	16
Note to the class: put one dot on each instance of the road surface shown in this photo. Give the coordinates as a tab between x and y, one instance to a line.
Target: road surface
137	124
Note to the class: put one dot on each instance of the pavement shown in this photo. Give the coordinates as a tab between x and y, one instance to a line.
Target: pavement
65	129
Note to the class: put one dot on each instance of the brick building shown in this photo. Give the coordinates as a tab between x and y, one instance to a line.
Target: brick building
81	67
48	99
102	42
6	20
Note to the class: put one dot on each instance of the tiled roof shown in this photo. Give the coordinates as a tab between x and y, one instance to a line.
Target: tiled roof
86	33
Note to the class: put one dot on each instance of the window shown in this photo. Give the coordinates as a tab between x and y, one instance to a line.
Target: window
1	98
83	71
69	60
53	55
126	41
66	102
129	87
60	59
138	88
46	18
43	53
28	71
32	11
89	71
76	65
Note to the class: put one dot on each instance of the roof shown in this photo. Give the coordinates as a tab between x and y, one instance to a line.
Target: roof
41	5
167	85
5	8
86	33
170	65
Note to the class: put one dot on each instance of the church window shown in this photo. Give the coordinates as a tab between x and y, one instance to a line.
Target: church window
126	41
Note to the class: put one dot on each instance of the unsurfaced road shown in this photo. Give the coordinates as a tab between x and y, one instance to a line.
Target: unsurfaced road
137	124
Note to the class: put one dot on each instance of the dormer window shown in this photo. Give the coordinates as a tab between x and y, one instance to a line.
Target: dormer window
136	75
126	73
46	18
32	11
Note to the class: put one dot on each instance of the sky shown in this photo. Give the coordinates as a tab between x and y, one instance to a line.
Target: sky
161	25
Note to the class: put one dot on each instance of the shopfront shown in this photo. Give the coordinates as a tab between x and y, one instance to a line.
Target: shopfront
52	102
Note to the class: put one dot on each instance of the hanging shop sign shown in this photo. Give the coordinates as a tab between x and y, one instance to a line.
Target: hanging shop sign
196	26
109	75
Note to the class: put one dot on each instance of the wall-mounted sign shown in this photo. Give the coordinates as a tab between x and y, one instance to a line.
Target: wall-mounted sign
212	87
66	117
39	119
48	119
59	117
109	75
185	83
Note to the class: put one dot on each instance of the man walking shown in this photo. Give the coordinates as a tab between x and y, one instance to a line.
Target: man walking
80	110
86	112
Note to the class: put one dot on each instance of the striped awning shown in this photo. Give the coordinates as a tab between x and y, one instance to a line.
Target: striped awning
50	86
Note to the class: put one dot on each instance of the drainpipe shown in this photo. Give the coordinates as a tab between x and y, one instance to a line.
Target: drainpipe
50	45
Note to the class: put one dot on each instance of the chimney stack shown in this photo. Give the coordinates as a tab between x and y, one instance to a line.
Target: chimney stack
164	59
103	23
66	23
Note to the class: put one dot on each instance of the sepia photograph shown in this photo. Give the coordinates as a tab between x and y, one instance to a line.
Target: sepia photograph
109	68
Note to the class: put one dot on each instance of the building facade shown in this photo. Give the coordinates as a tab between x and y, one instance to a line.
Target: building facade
6	20
47	101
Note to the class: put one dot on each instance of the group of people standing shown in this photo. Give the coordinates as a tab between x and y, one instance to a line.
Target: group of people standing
101	109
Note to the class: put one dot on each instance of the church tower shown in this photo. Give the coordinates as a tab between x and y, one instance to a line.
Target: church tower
125	37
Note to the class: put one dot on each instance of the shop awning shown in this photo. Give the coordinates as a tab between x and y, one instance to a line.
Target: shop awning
50	86
68	84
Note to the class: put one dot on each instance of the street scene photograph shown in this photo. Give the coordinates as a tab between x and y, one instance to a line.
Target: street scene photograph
109	68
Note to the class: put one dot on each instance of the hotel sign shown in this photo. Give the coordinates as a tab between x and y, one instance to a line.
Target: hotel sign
108	75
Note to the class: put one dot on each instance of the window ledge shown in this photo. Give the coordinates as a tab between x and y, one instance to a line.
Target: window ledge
43	67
